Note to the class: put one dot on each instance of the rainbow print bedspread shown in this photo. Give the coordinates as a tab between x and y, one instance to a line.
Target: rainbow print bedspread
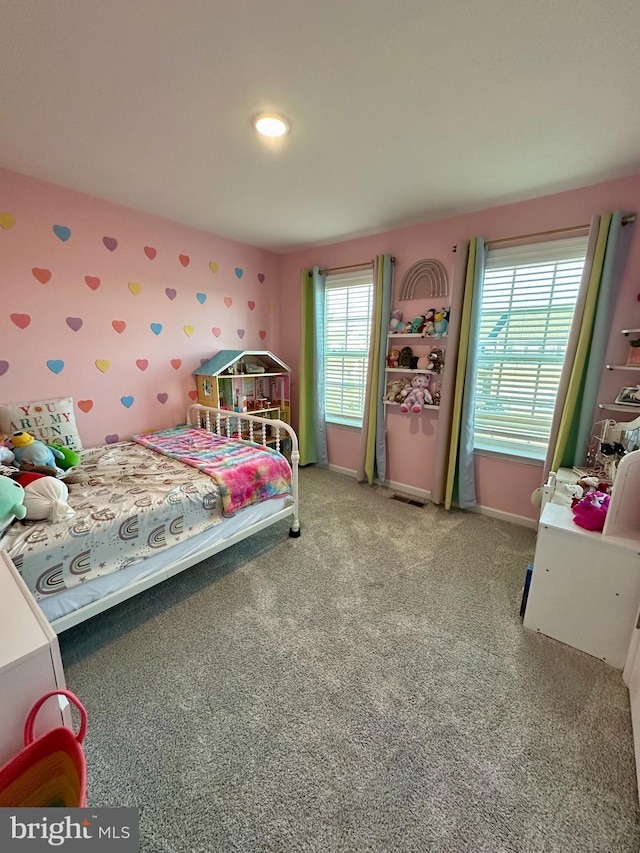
245	473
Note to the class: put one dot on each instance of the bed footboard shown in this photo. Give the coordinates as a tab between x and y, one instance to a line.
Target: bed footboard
269	432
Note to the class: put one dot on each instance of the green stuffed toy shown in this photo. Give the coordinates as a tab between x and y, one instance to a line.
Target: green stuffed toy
71	457
11	500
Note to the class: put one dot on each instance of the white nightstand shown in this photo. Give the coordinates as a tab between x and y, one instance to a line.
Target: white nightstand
30	664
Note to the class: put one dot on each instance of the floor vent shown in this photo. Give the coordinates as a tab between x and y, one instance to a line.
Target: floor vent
405	499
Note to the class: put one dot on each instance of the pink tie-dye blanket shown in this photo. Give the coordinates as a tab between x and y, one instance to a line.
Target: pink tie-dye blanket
244	473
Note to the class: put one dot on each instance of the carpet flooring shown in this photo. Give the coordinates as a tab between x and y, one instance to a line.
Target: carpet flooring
366	687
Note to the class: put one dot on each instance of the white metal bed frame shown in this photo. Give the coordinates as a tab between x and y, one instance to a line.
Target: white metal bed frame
229	424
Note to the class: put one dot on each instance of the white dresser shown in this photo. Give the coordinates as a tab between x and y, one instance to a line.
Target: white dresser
30	663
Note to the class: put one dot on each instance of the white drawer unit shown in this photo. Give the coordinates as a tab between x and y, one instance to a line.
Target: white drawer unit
585	587
30	664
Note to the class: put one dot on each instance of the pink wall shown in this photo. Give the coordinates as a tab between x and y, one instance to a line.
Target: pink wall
87	284
502	485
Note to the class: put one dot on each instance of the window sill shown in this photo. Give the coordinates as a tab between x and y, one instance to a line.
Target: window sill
331	422
509	457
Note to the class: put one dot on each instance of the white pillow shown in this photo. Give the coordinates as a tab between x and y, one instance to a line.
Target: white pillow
52	421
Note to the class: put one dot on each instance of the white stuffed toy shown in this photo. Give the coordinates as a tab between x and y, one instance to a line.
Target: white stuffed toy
418	394
45	498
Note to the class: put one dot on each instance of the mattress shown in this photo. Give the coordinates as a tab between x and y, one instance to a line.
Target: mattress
134	504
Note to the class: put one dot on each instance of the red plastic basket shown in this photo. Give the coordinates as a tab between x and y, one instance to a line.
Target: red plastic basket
51	770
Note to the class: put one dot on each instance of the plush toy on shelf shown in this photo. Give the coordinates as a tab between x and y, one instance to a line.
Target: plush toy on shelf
436	360
393	358
395	389
395	324
27	449
418	394
441	322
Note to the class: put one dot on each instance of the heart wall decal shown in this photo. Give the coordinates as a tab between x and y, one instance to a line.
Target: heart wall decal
74	323
217	331
127	402
110	243
62	232
201	297
103	364
176	363
162	398
239	272
55	365
92	281
112	439
241	333
188	330
228	301
150	252
119	326
213	266
20	320
134	287
193	395
142	363
156	328
170	292
85	405
7	220
4	366
262	334
261	277
42	275
251	304
184	260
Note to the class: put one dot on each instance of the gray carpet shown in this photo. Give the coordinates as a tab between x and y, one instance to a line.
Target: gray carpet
366	687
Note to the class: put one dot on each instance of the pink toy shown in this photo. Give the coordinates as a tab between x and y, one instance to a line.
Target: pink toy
591	511
417	395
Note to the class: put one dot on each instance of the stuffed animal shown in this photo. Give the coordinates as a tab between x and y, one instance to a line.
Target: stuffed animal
394	393
441	322
70	457
418	324
436	360
392	358
395	324
28	449
427	330
406	354
6	455
45	498
418	394
11	501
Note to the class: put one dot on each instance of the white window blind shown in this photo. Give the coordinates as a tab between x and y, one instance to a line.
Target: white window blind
528	303
348	306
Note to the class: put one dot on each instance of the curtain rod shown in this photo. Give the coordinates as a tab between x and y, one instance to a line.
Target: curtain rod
351	267
626	220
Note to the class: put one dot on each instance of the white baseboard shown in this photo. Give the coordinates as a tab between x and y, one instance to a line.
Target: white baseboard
425	494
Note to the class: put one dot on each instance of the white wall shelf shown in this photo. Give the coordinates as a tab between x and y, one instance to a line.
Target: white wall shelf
623	367
618	407
391	403
409	370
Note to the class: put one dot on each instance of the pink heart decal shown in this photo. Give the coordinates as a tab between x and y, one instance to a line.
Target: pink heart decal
112	439
42	275
217	331
150	252
112	244
21	320
4	366
240	333
162	398
92	281
193	395
170	291
142	364
85	405
176	363
74	323
251	304
228	301
262	334
260	277
184	260
119	326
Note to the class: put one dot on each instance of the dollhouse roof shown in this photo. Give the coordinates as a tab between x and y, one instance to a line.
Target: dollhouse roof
226	357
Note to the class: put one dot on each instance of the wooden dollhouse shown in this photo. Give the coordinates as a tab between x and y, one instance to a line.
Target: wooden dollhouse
246	381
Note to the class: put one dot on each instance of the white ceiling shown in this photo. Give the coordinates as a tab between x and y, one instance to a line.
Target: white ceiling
402	111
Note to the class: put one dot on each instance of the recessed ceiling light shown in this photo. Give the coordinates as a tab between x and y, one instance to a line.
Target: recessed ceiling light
270	125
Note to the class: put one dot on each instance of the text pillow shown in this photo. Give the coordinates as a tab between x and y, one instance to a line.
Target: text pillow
52	421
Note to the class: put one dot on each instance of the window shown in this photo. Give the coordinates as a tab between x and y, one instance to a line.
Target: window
528	302
347	324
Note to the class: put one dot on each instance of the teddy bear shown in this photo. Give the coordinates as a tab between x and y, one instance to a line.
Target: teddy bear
418	394
394	393
436	360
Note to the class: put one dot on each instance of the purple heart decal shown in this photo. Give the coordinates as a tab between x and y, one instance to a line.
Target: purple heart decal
204	361
74	323
4	366
260	277
241	333
111	243
170	291
112	439
162	398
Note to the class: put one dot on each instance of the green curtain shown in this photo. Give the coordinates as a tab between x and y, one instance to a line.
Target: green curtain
372	465
577	405
311	423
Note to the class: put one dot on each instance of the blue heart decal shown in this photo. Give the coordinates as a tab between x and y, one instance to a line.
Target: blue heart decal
55	365
127	402
239	272
62	232
156	328
201	297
